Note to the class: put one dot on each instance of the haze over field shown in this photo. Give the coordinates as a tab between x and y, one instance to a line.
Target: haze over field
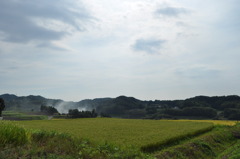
149	49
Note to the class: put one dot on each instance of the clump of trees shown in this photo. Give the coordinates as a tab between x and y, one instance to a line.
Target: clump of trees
48	110
75	113
232	113
103	115
2	106
192	111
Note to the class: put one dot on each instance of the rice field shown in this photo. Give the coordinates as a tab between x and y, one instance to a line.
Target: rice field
10	115
138	133
215	122
19	142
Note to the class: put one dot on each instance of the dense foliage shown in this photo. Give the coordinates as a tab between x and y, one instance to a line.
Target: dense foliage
48	110
192	111
75	113
2	106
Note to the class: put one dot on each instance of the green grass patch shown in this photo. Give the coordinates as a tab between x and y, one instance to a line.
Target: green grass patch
207	146
10	115
122	132
233	152
174	140
11	134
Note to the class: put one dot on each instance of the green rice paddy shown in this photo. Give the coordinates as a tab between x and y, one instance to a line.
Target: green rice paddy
10	115
138	133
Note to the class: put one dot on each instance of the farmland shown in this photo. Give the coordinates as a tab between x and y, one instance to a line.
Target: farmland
11	115
122	131
111	138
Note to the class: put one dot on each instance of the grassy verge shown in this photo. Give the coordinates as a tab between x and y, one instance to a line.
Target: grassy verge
233	152
174	140
208	146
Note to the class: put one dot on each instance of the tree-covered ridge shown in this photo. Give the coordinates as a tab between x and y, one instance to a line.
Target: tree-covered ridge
199	107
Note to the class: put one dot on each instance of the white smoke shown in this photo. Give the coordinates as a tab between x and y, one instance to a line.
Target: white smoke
63	107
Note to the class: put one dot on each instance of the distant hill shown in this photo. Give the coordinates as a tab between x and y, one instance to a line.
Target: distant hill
8	97
33	103
199	107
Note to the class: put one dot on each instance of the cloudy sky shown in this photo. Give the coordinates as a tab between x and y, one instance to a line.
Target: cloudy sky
148	49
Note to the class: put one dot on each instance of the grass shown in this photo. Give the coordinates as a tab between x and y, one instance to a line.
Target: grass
10	115
138	133
11	134
232	153
208	146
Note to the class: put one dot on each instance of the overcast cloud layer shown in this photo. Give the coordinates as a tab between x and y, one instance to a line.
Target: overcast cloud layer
149	49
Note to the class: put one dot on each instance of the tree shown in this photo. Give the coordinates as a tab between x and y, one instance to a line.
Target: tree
75	113
2	106
232	113
48	110
200	111
151	110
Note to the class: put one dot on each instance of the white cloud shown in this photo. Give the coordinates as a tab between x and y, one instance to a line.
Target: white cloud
89	48
150	46
171	11
27	21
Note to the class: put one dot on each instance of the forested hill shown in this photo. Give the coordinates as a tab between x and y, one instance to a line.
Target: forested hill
33	103
200	107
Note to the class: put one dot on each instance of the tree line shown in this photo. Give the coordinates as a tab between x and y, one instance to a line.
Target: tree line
72	113
2	106
75	113
204	107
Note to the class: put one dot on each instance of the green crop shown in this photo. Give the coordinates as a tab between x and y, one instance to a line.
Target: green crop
10	115
19	142
124	132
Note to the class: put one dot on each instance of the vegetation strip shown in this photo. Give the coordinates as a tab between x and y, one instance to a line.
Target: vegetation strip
208	146
233	152
173	141
10	115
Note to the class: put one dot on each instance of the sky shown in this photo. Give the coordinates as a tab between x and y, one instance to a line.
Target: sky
147	49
